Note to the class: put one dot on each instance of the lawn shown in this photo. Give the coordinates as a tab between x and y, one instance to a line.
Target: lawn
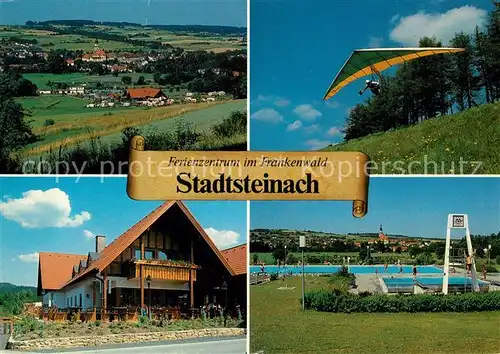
277	325
439	144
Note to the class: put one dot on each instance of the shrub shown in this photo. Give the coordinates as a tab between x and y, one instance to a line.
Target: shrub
236	123
49	122
329	301
497	259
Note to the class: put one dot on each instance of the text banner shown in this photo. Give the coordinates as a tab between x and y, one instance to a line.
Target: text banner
248	175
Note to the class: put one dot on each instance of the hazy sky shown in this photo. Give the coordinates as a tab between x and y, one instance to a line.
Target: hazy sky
163	12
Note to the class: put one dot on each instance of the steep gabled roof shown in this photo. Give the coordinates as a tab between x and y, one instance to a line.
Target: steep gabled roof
55	269
237	258
115	248
145	92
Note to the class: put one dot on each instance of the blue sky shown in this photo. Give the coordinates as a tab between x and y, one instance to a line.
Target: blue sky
410	206
63	217
298	46
163	12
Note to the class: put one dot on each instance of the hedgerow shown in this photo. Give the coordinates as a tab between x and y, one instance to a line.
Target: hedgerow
328	301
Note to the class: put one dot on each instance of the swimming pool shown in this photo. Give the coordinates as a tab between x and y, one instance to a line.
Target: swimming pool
355	269
430	282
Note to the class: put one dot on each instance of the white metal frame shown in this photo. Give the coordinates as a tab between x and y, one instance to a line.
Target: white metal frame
458	221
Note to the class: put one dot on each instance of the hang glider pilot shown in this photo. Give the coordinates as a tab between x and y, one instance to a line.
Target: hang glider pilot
374	87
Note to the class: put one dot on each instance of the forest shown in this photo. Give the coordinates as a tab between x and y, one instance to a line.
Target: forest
13	297
434	86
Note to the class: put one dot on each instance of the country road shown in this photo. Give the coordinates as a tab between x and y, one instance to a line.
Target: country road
228	346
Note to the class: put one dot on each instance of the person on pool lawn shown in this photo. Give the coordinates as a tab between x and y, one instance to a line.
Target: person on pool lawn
483	270
386	266
414	271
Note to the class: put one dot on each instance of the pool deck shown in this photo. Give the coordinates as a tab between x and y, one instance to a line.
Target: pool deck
367	282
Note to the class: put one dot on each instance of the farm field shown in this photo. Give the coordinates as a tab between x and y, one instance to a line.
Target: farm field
73	124
473	135
191	41
202	120
279	326
41	80
47	40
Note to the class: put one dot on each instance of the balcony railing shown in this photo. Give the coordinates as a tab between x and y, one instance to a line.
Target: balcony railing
164	270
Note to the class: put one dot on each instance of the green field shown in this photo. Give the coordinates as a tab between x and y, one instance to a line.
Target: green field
41	80
439	144
202	120
277	325
74	123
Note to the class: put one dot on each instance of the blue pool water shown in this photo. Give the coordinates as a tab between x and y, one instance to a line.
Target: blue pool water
355	269
429	281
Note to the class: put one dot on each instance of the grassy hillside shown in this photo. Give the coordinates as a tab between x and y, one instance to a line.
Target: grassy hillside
462	143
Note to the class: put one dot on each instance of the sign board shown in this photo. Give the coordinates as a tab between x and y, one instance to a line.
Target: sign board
302	241
458	221
248	175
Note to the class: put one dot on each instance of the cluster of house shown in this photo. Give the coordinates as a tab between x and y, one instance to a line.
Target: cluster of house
150	97
395	244
122	62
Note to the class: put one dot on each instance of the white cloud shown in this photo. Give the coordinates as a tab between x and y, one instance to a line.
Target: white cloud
443	26
38	209
316	144
333	131
294	126
88	234
281	102
268	115
332	104
277	101
307	112
395	18
375	42
29	258
223	238
311	128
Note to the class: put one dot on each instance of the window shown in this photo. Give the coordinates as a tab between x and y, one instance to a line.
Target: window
75	300
80	300
71	301
137	253
148	254
162	255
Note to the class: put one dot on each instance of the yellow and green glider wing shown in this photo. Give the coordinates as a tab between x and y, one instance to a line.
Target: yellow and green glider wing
363	62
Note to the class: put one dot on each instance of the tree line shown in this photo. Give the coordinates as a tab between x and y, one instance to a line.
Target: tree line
202	71
221	30
433	86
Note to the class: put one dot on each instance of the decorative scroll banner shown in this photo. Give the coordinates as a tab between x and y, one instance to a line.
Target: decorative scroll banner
248	175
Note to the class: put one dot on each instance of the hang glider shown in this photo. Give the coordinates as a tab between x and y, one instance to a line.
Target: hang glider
364	62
